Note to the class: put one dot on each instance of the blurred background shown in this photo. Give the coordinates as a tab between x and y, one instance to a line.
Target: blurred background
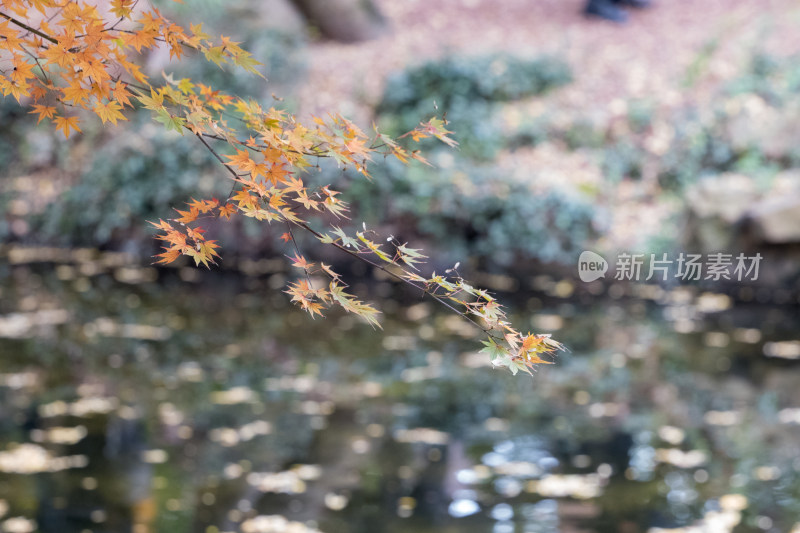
136	399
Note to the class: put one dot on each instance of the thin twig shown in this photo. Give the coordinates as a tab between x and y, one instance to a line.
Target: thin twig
392	274
26	27
297	250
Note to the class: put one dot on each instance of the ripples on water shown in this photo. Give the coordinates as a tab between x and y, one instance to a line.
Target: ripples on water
133	400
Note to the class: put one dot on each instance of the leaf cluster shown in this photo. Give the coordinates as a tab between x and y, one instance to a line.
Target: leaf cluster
67	54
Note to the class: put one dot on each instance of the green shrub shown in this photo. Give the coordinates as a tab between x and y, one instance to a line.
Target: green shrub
281	53
584	134
622	159
476	211
466	90
277	42
128	180
494	78
640	115
468	205
707	147
14	122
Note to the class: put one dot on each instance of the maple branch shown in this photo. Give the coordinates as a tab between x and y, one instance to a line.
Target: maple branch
214	152
257	147
114	26
396	276
118	79
297	250
229	169
36	60
26	27
318	235
85	68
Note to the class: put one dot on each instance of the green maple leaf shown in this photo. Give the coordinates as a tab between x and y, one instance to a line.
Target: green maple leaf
171	122
497	353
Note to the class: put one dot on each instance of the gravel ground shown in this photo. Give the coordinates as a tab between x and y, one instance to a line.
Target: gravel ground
648	58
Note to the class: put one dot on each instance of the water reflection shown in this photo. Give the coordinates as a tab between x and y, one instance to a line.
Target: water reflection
135	404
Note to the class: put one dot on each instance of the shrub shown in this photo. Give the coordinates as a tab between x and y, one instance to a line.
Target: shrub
129	179
475	210
466	90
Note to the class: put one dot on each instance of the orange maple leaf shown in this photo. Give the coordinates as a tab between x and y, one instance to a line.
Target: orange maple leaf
109	112
227	210
169	256
75	93
300	262
66	123
43	112
187	216
241	161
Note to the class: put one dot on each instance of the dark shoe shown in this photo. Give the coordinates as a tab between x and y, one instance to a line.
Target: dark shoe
639	4
606	9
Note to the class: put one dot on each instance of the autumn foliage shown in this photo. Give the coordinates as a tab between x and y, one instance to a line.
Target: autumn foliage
61	56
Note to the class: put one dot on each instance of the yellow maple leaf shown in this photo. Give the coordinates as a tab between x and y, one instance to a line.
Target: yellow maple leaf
109	112
66	123
43	112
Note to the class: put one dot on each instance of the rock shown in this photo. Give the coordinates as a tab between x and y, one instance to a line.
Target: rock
730	213
776	216
754	123
716	206
726	196
347	21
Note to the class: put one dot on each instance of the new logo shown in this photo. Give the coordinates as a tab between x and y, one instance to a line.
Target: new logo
591	266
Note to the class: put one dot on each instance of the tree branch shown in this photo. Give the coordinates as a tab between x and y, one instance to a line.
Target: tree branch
394	275
26	27
318	235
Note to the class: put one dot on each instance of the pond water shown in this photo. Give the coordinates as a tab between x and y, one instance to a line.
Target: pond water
136	400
